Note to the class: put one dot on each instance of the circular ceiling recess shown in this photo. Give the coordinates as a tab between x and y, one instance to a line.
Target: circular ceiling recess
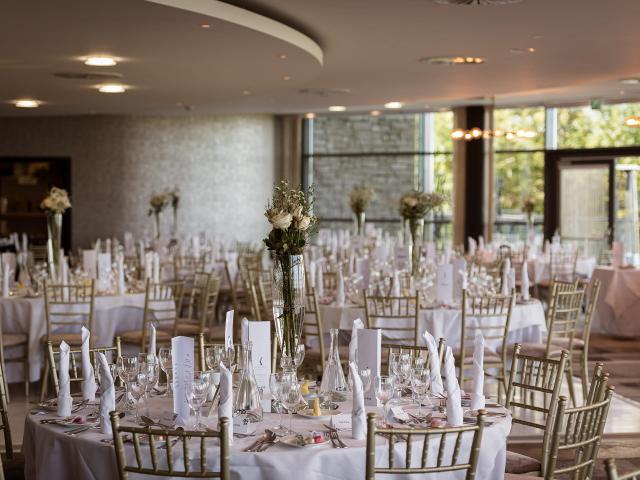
88	75
475	2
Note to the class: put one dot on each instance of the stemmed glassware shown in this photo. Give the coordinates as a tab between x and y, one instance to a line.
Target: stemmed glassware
197	392
365	376
136	389
384	387
275	380
166	365
290	396
420	385
127	368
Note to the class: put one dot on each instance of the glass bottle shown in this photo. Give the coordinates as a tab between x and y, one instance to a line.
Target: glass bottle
248	399
334	385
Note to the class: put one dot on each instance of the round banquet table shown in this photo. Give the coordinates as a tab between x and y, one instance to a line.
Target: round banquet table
618	306
52	455
112	314
527	322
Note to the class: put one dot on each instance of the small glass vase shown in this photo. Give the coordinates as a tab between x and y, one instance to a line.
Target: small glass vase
416	227
248	398
288	306
334	385
358	224
54	232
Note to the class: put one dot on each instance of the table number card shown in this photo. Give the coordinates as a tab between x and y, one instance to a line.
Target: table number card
90	263
183	364
459	265
104	271
370	356
444	284
259	334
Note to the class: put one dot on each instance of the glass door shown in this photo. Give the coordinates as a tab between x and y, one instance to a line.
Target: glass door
586	208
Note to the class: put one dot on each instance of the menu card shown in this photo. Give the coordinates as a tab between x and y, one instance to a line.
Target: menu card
444	284
183	364
370	356
259	335
90	263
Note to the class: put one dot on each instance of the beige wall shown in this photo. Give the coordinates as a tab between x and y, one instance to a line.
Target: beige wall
223	165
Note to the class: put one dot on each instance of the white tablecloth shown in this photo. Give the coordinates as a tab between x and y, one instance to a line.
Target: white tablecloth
539	268
618	309
52	455
527	322
112	314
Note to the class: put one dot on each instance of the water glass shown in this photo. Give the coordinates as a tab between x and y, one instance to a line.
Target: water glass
290	396
166	362
127	367
196	393
384	388
274	389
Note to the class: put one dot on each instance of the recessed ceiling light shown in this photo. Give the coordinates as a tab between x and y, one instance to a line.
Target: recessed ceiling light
286	78
374	113
310	115
630	81
531	49
337	108
205	25
246	92
283	57
27	103
453	60
112	88
100	61
393	105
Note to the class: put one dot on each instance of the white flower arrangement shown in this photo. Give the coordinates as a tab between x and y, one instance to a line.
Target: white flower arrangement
56	202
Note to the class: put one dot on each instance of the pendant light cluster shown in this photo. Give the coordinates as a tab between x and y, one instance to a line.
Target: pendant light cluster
477	133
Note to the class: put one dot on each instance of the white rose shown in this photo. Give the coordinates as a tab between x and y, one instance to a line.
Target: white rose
303	223
297	212
410	201
281	220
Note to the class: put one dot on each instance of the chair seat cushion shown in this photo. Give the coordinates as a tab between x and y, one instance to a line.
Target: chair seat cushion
518	463
189	328
135	336
72	339
14	339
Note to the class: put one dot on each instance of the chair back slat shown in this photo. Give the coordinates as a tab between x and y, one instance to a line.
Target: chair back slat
397	317
68	305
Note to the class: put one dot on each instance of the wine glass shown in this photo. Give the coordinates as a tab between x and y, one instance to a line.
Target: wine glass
290	396
384	387
394	362
299	356
136	389
127	370
166	362
214	355
196	393
420	381
274	390
365	376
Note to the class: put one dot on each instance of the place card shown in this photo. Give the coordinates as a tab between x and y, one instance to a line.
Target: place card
342	421
370	356
444	284
242	425
183	364
259	335
90	263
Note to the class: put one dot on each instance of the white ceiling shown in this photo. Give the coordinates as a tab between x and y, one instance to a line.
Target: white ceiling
370	47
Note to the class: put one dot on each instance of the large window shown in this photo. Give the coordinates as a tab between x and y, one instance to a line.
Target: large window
393	153
585	127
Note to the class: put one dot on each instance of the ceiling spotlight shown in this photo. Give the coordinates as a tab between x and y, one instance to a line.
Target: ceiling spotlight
310	116
393	105
531	49
100	61
286	78
27	103
205	25
246	92
630	81
112	88
374	113
337	108
283	57
457	133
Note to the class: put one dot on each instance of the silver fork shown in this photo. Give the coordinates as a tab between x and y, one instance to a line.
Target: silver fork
334	435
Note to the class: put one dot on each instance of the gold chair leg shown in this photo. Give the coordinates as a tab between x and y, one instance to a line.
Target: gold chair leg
585	373
569	374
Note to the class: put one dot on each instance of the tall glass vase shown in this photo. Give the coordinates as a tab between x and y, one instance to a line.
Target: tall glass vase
288	307
156	225
174	227
358	224
416	227
54	232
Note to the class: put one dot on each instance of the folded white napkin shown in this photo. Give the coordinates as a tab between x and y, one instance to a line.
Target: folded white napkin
148	266
244	330
88	379
107	394
473	245
477	394
505	277
6	274
340	288
156	268
228	332
434	365
454	396
481	243
358	413
312	273
225	407
524	282
152	338
353	344
122	287
64	391
319	282
395	290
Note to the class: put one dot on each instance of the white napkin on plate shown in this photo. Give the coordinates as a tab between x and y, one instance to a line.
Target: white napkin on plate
434	365
244	331
64	391
524	282
454	396
156	268
477	394
319	282
6	273
88	379
395	290
152	338
505	277
340	288
481	243
107	394
358	413
225	407
353	344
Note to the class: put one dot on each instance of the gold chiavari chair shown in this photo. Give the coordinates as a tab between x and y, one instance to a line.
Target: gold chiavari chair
489	315
185	267
562	267
161	305
132	264
565	308
11	462
312	333
161	460
504	252
430	439
412	351
75	364
38	253
67	308
397	317
612	471
329	281
201	311
16	340
532	396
